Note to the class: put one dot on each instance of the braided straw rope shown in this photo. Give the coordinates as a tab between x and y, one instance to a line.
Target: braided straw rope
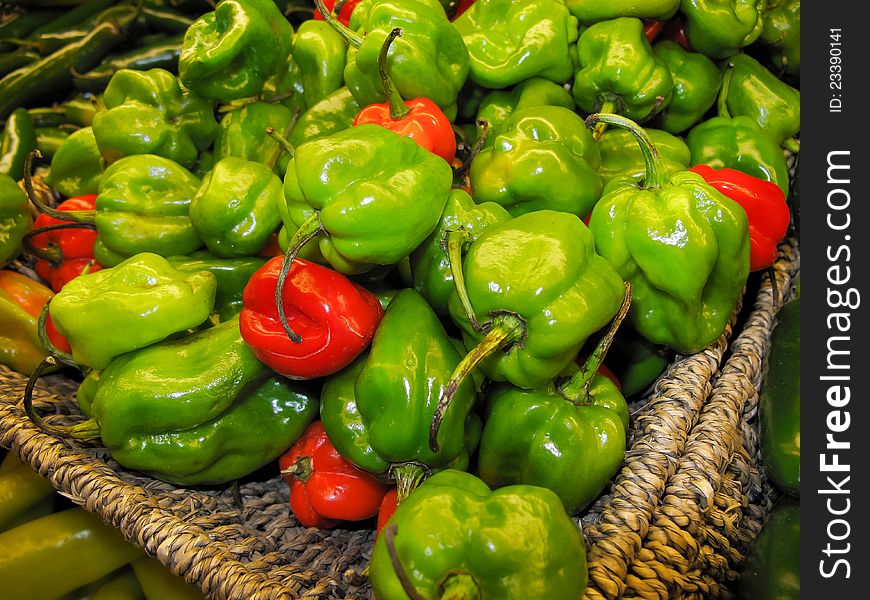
675	523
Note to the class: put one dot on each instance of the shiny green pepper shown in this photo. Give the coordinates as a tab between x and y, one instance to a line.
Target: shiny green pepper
772	568
321	54
15	219
720	28
696	86
498	105
134	304
77	165
332	114
622	157
17	140
509	42
592	11
780	39
243	134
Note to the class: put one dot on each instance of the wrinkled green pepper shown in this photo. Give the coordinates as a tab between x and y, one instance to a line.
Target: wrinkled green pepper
15	219
622	157
720	28
780	39
148	112
237	207
377	411
332	114
771	569
230	52
542	157
498	105
134	304
454	538
696	86
509	42
592	11
321	54
243	134
16	142
683	245
77	166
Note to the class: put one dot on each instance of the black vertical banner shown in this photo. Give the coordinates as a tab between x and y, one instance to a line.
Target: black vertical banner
834	189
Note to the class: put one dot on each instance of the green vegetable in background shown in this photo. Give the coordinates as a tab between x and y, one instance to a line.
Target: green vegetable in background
77	166
15	219
592	11
17	141
696	86
622	157
720	28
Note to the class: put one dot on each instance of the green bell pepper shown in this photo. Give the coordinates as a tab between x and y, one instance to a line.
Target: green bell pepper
592	11
509	42
15	219
237	207
143	205
683	245
771	569
431	274
377	411
334	113
454	538
780	39
622	157
134	304
148	112
619	72
321	54
230	52
17	141
368	195
243	134
498	105
720	28
542	157
636	362
77	166
696	86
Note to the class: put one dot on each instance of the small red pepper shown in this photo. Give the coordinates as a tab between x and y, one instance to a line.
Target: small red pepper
419	119
388	507
334	318
344	13
325	489
675	29
463	6
63	250
652	28
765	206
31	295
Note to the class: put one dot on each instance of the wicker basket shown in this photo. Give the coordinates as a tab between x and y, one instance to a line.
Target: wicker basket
675	523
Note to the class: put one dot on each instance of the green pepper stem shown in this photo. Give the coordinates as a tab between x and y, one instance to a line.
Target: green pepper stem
462	171
350	36
656	171
459	585
398	108
89	429
45	341
75	216
608	106
286	146
452	243
722	100
576	389
51	253
390	532
504	329
301	469
281	139
408	477
307	231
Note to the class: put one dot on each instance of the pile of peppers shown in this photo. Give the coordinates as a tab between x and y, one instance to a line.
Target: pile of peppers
418	255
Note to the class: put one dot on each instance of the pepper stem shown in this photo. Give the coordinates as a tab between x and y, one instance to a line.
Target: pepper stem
390	532
656	172
46	343
459	585
51	253
89	429
408	477
452	243
75	216
350	36
283	144
398	108
307	231
576	389
462	171
301	469
504	329
608	106
722	101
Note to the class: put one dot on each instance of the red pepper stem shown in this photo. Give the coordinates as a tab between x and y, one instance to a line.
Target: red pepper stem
390	532
502	330
89	429
656	172
608	106
722	101
576	389
283	144
350	36
307	231
398	108
408	477
452	244
459	585
75	216
46	343
51	253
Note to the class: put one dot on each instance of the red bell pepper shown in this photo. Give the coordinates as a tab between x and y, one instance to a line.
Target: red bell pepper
345	9
765	206
63	250
334	318
32	296
325	489
388	507
419	119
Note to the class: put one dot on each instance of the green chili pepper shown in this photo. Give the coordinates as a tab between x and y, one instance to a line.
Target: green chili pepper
160	53
541	158
509	42
50	139
720	28
622	157
454	538
15	219
134	304
77	165
230	52
696	86
18	140
148	112
159	583
683	246
21	24
22	492
119	585
771	570
15	60
592	11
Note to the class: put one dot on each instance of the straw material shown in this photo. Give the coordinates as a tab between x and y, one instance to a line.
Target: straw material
675	523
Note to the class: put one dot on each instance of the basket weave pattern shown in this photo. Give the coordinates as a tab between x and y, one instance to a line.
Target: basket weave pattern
675	523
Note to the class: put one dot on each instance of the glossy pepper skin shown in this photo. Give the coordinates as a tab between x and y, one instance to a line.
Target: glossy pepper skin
377	195
143	205
335	318
77	165
509	42
343	15
592	11
720	28
431	273
243	134
780	38
533	549
183	410
325	489
321	54
541	158
63	254
332	114
377	411
15	219
497	105
622	157
237	207
771	570
136	303
429	61
696	86
148	112
16	142
755	92
683	246
765	206
619	72
230	52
